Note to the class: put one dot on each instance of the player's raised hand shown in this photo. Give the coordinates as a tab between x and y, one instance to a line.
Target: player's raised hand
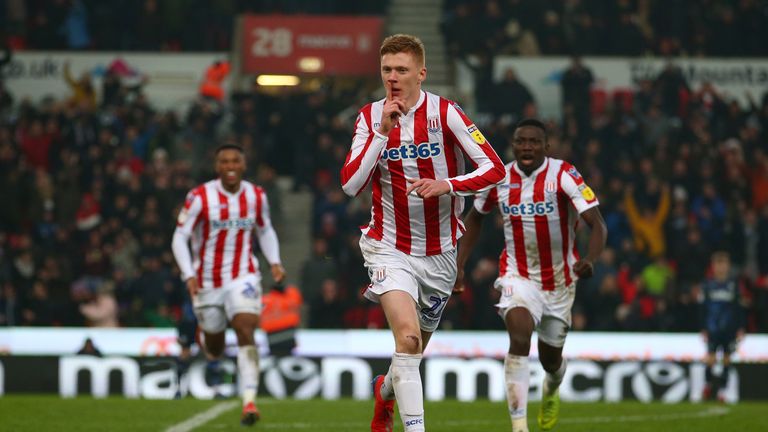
393	109
193	287
428	188
278	272
458	286
583	268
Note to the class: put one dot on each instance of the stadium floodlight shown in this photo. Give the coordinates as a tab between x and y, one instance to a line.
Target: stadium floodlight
311	64
277	80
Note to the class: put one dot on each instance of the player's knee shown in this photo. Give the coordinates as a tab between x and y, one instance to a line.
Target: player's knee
519	343
550	364
245	335
409	343
214	348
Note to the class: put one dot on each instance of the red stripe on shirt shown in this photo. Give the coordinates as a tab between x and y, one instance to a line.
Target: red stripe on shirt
187	205
449	148
350	169
221	238
481	181
399	198
243	203
463	116
205	220
568	168
427	170
542	234
579	181
376	231
518	234
259	205
249	239
491	201
503	262
562	211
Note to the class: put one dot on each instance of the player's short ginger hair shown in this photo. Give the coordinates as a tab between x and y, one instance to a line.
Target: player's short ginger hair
404	43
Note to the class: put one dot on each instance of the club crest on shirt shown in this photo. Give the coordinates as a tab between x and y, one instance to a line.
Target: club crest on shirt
433	124
377	275
550	187
476	135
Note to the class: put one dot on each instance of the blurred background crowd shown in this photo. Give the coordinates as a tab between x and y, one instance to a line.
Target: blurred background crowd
706	28
149	25
91	185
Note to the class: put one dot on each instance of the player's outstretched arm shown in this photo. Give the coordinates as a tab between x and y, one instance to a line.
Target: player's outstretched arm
180	248
267	237
489	169
473	222
597	238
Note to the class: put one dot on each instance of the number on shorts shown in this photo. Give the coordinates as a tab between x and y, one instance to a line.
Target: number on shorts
250	290
436	309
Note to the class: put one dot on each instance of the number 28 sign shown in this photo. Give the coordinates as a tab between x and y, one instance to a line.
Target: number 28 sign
330	45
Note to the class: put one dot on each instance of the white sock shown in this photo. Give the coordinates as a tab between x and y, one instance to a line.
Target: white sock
406	381
552	380
387	389
248	372
517	378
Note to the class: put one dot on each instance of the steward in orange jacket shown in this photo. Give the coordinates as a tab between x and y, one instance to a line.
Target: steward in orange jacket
281	317
212	82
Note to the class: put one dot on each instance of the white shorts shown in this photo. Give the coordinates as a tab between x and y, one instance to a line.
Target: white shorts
428	279
214	308
550	310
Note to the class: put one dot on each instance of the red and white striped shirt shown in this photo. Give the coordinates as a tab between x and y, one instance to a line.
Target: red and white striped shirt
221	225
540	217
430	141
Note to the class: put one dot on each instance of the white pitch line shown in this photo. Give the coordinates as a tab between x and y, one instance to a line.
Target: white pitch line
203	418
709	412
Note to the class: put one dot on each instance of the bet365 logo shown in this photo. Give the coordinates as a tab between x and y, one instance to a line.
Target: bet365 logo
412	151
528	209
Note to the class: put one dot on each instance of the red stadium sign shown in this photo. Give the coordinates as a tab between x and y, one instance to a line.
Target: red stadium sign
278	44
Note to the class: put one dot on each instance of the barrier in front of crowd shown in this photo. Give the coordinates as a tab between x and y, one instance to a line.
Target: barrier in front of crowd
332	364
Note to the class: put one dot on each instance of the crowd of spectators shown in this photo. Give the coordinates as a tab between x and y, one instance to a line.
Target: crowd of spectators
680	173
149	25
92	183
91	187
713	28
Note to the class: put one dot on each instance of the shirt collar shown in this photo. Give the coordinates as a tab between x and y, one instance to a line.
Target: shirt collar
535	172
221	189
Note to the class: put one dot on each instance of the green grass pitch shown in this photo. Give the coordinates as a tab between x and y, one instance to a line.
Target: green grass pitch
51	413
